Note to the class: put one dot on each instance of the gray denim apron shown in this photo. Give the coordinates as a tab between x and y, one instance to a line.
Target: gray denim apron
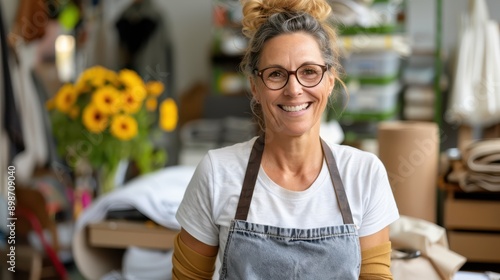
255	251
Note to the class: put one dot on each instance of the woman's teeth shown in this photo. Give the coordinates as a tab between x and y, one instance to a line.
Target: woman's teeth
295	108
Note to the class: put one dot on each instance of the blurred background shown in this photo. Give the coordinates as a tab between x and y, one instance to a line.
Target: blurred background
407	66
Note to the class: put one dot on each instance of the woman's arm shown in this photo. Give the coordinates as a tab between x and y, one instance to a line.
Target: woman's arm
375	239
376	256
192	259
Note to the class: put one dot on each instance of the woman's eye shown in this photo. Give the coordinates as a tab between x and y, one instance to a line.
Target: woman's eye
276	74
309	72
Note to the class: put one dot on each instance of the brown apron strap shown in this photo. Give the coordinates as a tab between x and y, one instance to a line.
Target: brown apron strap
345	209
250	179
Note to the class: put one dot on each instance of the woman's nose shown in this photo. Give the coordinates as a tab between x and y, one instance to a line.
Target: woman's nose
293	87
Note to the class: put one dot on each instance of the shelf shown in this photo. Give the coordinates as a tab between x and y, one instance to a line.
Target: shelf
122	234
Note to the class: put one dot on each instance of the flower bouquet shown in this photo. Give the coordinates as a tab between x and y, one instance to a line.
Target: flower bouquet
106	117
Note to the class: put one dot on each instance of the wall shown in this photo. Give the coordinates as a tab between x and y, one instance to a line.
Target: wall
190	23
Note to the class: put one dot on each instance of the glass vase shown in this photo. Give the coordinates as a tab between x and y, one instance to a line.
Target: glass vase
107	176
111	177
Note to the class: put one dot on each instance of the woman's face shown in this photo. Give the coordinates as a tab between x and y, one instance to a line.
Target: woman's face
293	110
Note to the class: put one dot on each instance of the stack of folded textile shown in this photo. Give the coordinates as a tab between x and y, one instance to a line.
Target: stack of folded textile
479	168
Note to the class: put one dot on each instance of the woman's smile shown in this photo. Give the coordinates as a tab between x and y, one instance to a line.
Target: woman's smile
295	108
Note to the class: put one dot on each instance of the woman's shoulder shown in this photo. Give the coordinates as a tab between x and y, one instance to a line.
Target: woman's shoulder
351	159
231	154
342	151
240	147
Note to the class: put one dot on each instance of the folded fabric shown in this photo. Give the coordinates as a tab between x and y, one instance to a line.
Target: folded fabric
472	181
430	239
483	156
479	167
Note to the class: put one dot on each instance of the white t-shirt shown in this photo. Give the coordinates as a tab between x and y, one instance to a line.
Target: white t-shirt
211	197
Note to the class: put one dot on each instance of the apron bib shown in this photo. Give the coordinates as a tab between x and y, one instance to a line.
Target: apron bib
255	251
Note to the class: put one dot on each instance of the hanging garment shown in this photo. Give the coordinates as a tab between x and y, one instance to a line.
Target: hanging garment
36	153
145	45
475	96
10	120
134	32
256	251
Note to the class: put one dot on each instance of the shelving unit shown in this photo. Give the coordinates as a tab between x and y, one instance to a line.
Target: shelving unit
471	219
373	59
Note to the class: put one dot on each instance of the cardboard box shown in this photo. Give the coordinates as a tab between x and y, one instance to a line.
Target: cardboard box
476	246
122	234
469	214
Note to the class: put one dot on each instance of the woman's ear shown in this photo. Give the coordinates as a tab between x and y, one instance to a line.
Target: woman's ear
253	89
331	79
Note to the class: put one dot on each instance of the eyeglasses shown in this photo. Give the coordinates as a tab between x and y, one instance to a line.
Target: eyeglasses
308	75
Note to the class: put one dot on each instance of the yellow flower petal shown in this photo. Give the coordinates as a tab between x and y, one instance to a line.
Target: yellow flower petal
168	115
50	104
124	127
65	98
151	104
155	88
73	113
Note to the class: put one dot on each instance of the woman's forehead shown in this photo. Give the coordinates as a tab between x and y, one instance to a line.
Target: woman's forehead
291	49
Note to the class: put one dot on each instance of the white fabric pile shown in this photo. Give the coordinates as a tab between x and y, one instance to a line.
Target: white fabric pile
157	196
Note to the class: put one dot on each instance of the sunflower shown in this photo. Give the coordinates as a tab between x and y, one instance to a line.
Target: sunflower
65	98
107	99
131	103
112	111
93	119
168	114
133	83
154	88
96	77
124	127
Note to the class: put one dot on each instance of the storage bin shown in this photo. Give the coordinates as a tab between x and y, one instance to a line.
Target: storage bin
384	64
372	98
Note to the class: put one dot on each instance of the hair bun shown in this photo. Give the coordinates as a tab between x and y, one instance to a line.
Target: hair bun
256	12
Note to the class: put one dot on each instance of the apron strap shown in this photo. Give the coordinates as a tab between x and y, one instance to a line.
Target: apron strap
253	171
345	209
250	179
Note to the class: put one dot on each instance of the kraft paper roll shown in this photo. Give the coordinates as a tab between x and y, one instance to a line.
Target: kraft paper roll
410	151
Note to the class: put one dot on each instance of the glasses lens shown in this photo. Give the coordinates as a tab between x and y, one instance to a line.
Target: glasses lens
275	77
310	75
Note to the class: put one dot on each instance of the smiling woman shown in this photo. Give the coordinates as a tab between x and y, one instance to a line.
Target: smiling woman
287	191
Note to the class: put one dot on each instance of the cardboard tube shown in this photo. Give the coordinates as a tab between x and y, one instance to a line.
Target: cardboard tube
410	151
